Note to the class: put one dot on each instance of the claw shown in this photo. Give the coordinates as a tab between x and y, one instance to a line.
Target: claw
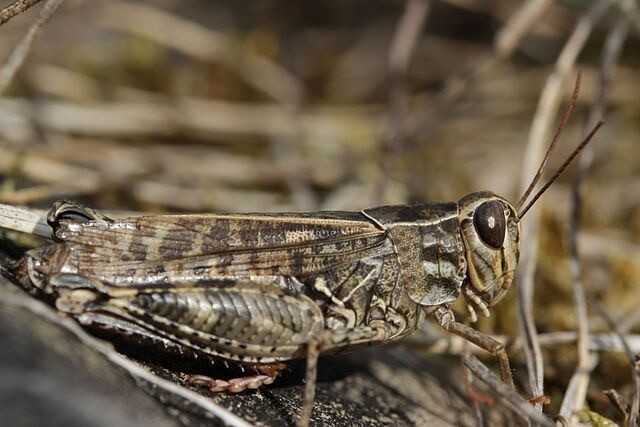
74	212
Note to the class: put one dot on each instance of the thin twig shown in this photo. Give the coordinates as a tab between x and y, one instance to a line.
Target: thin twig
518	25
629	319
617	401
512	400
507	40
576	392
610	56
204	44
21	51
635	402
547	109
401	51
36	193
15	9
25	220
597	342
406	36
634	411
631	11
204	118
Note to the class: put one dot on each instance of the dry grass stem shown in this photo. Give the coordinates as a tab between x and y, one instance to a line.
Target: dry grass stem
406	36
204	106
24	220
501	390
634	360
635	403
577	390
195	117
597	343
15	9
505	44
547	109
518	25
38	193
617	401
575	395
19	54
203	44
631	318
401	50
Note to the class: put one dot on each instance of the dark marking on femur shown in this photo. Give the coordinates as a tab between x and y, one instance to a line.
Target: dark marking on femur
490	223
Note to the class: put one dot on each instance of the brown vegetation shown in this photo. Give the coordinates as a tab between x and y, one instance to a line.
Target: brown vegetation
212	106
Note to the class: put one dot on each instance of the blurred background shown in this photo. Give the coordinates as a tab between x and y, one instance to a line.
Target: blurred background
270	105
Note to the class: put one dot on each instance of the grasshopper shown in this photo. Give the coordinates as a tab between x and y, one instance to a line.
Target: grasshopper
263	289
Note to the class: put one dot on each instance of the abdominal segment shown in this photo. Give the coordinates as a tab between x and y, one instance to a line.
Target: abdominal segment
243	325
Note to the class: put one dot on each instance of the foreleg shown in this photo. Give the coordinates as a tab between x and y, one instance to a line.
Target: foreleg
447	320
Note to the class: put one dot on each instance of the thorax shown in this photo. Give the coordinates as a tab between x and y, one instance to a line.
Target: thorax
429	249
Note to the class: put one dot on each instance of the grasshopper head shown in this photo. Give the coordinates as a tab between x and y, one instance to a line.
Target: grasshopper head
490	232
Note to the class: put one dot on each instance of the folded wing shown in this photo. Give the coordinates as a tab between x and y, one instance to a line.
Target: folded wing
189	249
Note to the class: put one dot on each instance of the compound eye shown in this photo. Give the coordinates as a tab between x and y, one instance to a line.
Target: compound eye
490	223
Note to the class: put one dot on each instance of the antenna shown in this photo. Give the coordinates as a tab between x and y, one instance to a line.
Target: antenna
566	163
563	123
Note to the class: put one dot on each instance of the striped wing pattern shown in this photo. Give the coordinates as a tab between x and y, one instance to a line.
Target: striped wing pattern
175	249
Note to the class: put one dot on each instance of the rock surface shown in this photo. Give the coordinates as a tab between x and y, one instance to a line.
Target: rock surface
51	375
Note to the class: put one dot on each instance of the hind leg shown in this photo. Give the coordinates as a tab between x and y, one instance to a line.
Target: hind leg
266	374
325	341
